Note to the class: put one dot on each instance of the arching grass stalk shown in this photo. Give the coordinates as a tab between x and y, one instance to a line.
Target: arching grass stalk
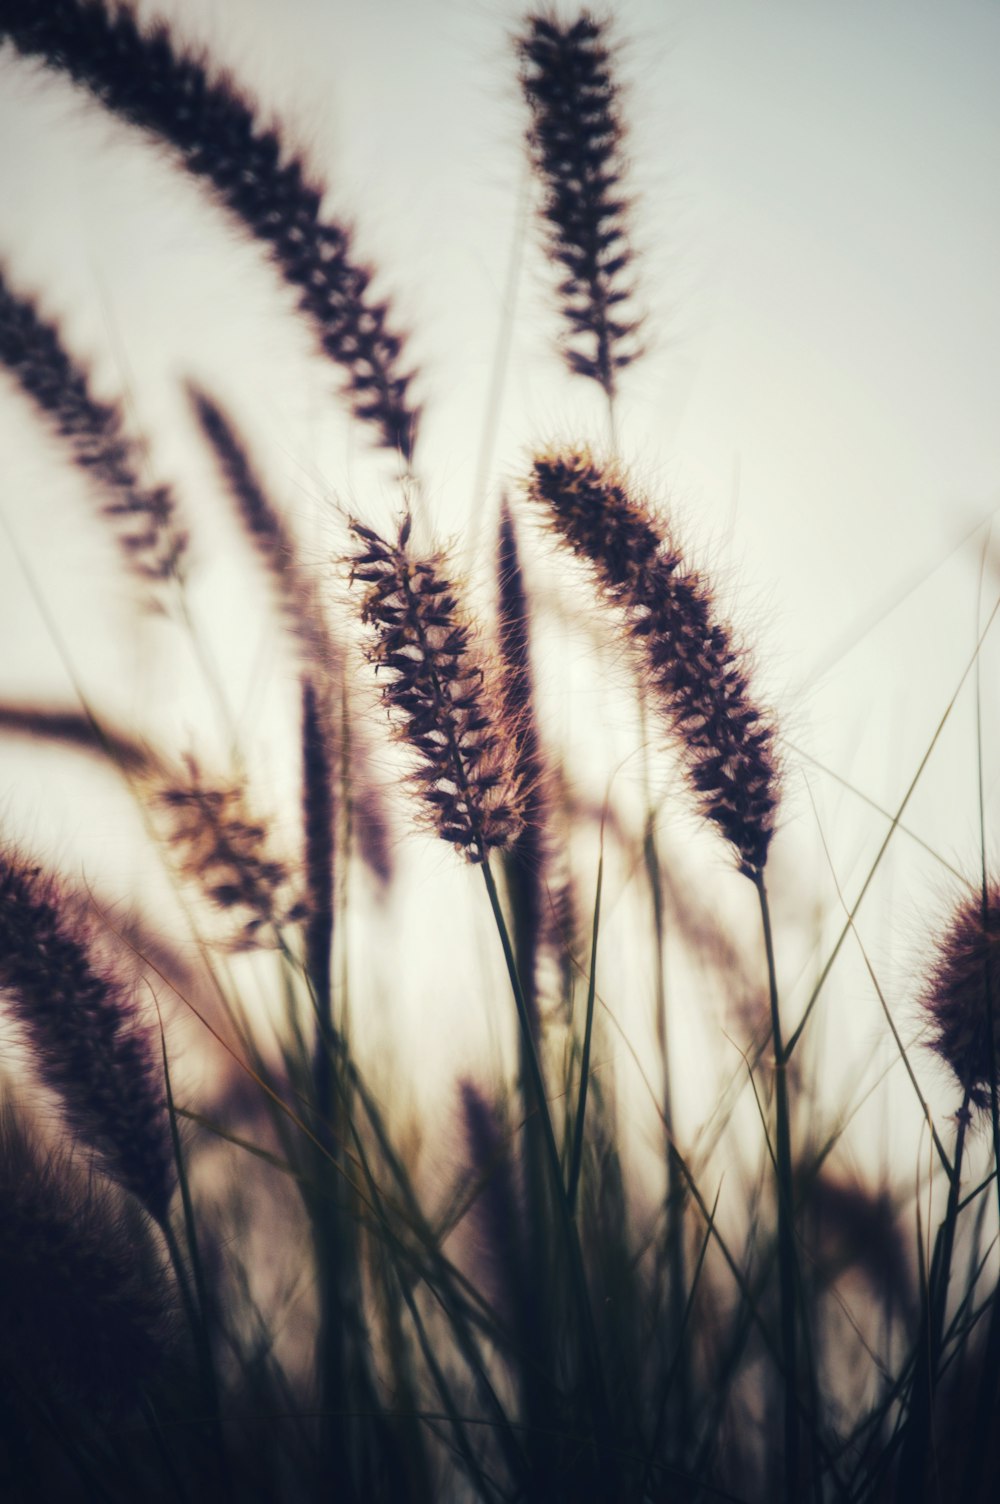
787	1260
578	1277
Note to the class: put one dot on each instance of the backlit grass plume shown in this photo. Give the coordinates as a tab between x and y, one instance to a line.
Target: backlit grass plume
696	673
575	141
140	76
218	845
962	998
94	434
439	691
90	1043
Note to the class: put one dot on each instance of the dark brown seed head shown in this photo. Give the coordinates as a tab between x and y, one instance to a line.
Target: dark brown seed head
439	688
89	1042
94	433
575	141
963	995
141	76
696	674
218	846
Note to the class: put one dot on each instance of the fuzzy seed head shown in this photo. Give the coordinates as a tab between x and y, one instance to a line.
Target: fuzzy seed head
963	992
218	846
140	75
696	674
89	1042
94	433
440	691
575	143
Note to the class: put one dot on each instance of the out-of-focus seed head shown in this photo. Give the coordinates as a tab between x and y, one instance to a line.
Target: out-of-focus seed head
964	991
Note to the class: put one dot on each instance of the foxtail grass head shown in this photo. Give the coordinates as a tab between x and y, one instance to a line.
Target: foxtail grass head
94	434
962	998
696	674
575	143
218	846
139	74
440	691
89	1040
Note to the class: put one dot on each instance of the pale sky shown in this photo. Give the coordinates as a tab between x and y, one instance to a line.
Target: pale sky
817	213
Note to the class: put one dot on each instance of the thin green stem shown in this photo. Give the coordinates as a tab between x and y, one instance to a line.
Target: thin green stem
919	1425
576	1157
578	1278
787	1262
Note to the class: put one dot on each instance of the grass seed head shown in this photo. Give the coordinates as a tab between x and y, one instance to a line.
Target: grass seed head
963	993
219	847
440	689
575	143
89	1041
94	433
141	76
696	674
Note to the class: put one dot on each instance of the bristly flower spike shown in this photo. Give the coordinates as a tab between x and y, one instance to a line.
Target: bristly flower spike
141	76
89	1041
94	433
696	673
964	991
440	690
575	142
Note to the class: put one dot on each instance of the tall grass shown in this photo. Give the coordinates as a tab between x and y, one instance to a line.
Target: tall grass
236	1260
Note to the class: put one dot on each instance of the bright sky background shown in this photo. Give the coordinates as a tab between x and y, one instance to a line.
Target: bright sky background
817	214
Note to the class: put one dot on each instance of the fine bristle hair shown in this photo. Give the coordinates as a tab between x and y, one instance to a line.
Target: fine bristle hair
220	847
141	76
575	143
86	1305
58	386
89	1041
440	692
963	995
302	607
697	676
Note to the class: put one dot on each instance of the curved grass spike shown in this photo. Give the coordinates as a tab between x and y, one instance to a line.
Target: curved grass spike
575	143
94	434
696	674
88	1039
140	76
440	694
221	847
